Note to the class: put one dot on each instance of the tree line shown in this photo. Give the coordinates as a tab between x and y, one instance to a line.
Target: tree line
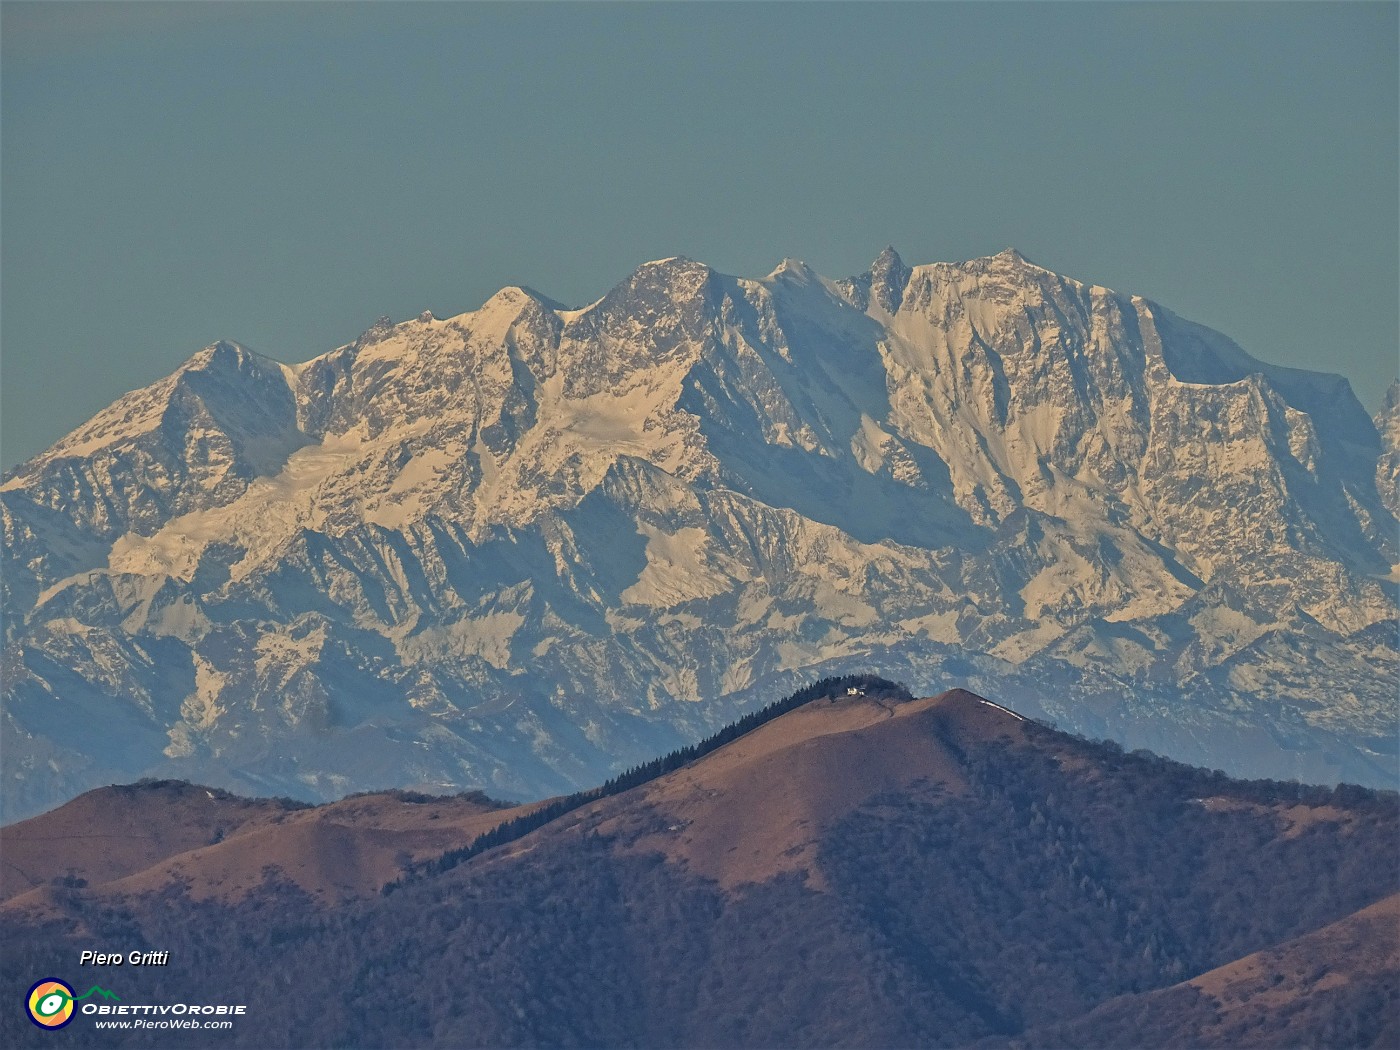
518	827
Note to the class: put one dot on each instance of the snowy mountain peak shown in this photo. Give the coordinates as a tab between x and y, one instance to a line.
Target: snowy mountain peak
225	353
647	302
1008	266
383	325
525	544
793	270
678	270
512	299
217	383
881	287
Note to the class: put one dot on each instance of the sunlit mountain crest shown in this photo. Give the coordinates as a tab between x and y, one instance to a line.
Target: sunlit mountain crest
522	547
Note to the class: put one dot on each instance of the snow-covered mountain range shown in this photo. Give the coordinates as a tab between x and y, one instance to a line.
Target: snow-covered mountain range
526	546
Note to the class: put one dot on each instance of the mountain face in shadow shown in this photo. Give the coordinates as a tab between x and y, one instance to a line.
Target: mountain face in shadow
1336	986
860	868
524	547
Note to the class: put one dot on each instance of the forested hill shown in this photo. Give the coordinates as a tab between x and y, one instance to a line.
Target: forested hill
874	688
860	870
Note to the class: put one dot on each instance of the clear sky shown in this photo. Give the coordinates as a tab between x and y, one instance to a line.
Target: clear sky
282	174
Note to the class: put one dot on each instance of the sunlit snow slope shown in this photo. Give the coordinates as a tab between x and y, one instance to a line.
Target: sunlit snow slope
524	546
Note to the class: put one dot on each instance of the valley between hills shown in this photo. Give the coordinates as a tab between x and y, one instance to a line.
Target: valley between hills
852	866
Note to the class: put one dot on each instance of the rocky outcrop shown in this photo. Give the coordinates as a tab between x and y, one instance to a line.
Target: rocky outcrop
525	546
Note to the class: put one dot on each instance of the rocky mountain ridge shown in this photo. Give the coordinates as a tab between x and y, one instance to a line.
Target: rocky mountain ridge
518	548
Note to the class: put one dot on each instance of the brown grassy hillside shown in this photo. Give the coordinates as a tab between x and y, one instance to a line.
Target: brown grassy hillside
865	870
139	839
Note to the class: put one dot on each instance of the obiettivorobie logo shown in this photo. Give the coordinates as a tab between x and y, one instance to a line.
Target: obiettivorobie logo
50	1001
53	1004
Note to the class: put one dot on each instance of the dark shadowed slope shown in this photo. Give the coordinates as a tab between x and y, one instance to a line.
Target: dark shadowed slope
1337	986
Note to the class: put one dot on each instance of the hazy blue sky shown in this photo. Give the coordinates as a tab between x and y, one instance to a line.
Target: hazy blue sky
283	174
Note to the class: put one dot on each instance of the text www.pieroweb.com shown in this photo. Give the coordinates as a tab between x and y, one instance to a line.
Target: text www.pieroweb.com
204	1018
174	1022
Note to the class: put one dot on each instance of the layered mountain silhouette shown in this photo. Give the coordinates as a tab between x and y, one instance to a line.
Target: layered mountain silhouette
856	868
522	548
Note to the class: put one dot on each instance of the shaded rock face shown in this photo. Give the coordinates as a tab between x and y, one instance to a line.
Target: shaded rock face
1388	469
525	546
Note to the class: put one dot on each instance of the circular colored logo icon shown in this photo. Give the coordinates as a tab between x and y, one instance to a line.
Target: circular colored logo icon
50	1003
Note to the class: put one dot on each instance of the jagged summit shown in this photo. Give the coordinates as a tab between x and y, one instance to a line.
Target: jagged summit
677	276
1391	405
520	546
1387	423
221	351
224	416
1387	420
671	261
793	268
513	297
888	279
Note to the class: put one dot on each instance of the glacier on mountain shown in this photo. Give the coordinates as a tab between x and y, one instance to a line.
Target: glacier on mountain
526	546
